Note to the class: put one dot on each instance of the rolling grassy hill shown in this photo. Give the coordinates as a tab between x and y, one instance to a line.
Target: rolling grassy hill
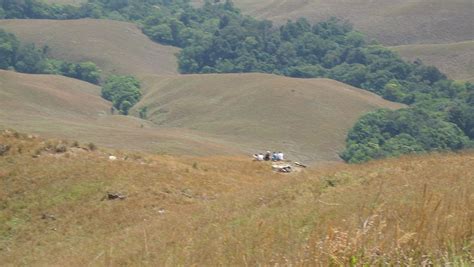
116	47
194	114
390	22
307	118
229	211
60	107
455	59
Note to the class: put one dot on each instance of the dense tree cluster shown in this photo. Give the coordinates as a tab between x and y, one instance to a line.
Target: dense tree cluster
441	118
386	133
34	9
29	59
133	10
217	38
122	91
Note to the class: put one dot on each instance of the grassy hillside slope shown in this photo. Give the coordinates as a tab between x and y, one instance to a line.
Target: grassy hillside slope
390	22
307	118
61	107
183	211
116	47
455	59
194	114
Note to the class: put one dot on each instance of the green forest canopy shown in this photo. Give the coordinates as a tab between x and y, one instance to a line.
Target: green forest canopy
217	38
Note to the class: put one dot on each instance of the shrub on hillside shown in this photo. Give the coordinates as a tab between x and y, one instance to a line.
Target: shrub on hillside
8	48
4	149
92	146
122	91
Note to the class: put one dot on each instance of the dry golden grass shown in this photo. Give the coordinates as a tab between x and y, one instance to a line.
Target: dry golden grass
455	59
116	47
183	211
392	22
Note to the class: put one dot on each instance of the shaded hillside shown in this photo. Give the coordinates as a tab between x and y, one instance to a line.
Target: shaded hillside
182	211
60	107
307	118
116	47
390	22
455	59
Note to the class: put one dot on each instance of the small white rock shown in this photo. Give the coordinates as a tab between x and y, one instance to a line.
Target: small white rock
112	158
